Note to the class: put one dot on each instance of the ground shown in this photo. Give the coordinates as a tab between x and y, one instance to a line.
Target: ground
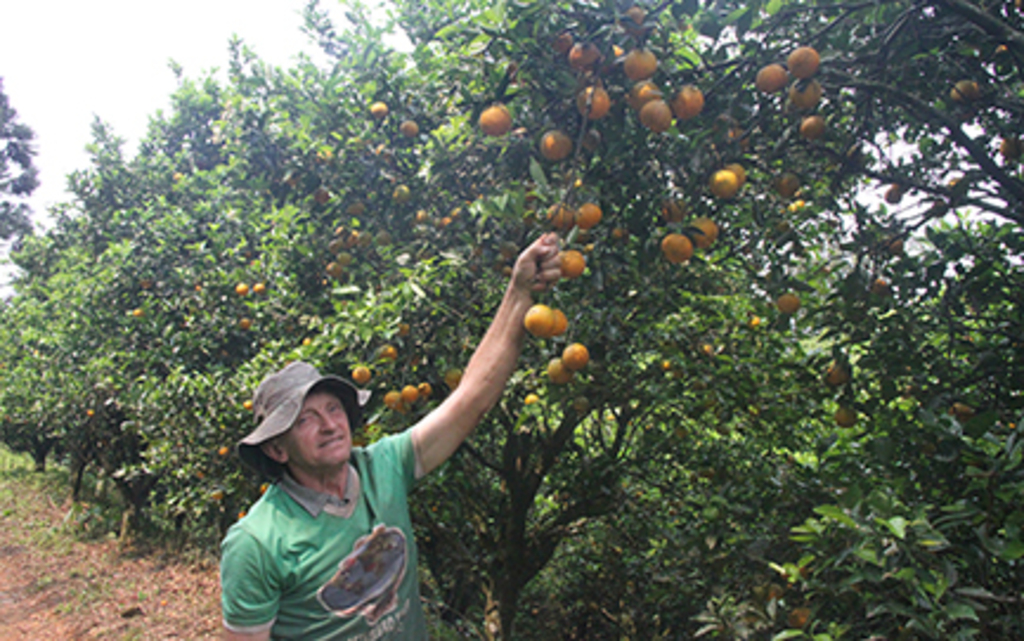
55	585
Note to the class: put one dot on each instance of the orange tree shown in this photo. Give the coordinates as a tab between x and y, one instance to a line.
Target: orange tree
798	410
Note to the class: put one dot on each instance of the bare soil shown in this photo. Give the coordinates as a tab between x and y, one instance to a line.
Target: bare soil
53	585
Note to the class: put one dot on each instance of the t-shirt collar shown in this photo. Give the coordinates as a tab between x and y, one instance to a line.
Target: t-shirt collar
316	502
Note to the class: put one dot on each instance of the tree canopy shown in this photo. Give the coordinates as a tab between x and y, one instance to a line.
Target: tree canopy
793	258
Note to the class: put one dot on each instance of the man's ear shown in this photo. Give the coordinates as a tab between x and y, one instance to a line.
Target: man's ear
273	449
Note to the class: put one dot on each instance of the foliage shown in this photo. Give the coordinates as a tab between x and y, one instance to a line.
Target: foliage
691	480
18	177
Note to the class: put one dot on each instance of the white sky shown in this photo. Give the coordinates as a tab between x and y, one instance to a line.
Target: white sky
65	61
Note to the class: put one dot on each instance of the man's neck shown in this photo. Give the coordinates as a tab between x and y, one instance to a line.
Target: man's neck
333	482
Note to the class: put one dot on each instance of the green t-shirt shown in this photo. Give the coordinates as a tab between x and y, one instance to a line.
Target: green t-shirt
329	577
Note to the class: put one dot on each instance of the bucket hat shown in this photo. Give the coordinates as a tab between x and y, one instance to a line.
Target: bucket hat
278	401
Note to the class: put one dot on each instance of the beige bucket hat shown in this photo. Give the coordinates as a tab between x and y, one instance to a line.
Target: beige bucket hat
278	401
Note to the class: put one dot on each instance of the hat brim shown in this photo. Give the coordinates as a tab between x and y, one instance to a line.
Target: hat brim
283	417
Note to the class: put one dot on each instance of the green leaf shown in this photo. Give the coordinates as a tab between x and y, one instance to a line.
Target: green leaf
537	173
788	634
961	610
897	525
836	513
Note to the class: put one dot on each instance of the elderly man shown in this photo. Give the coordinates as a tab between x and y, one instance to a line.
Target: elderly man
328	552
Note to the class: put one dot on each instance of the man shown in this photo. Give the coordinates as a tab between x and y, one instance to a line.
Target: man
327	552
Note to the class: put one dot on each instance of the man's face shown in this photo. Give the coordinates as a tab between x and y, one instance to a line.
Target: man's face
320	440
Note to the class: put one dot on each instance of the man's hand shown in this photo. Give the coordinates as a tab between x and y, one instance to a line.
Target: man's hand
538	266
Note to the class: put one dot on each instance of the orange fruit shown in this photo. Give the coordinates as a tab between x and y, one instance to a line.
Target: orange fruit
555	145
583	55
965	91
561	217
410	394
771	78
637	14
321	196
894	194
837	374
562	43
962	411
531	398
725	184
540	321
223	451
880	287
741	173
798	617
708	235
639	64
361	375
402	194
495	120
656	115
803	62
812	127
334	269
379	110
788	303
409	128
641	93
673	210
676	248
453	377
558	372
561	323
425	390
393	399
1011	149
575	356
244	323
259	288
343	258
787	184
388	353
572	263
894	246
241	289
356	209
805	95
404	329
588	215
845	417
688	102
599	101
138	312
217	495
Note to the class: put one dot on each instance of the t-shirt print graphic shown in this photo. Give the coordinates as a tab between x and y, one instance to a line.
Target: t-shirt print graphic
367	580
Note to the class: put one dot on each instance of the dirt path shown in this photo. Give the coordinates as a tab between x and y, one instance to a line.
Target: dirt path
55	587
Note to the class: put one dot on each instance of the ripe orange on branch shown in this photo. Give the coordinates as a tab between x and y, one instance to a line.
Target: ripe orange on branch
812	127
688	102
708	232
803	62
575	356
965	91
837	374
583	55
845	416
805	95
558	372
409	128
241	289
639	64
361	375
641	93
555	145
677	248
572	263
561	217
588	216
787	184
540	321
724	184
656	115
599	103
771	78
495	120
788	303
379	110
